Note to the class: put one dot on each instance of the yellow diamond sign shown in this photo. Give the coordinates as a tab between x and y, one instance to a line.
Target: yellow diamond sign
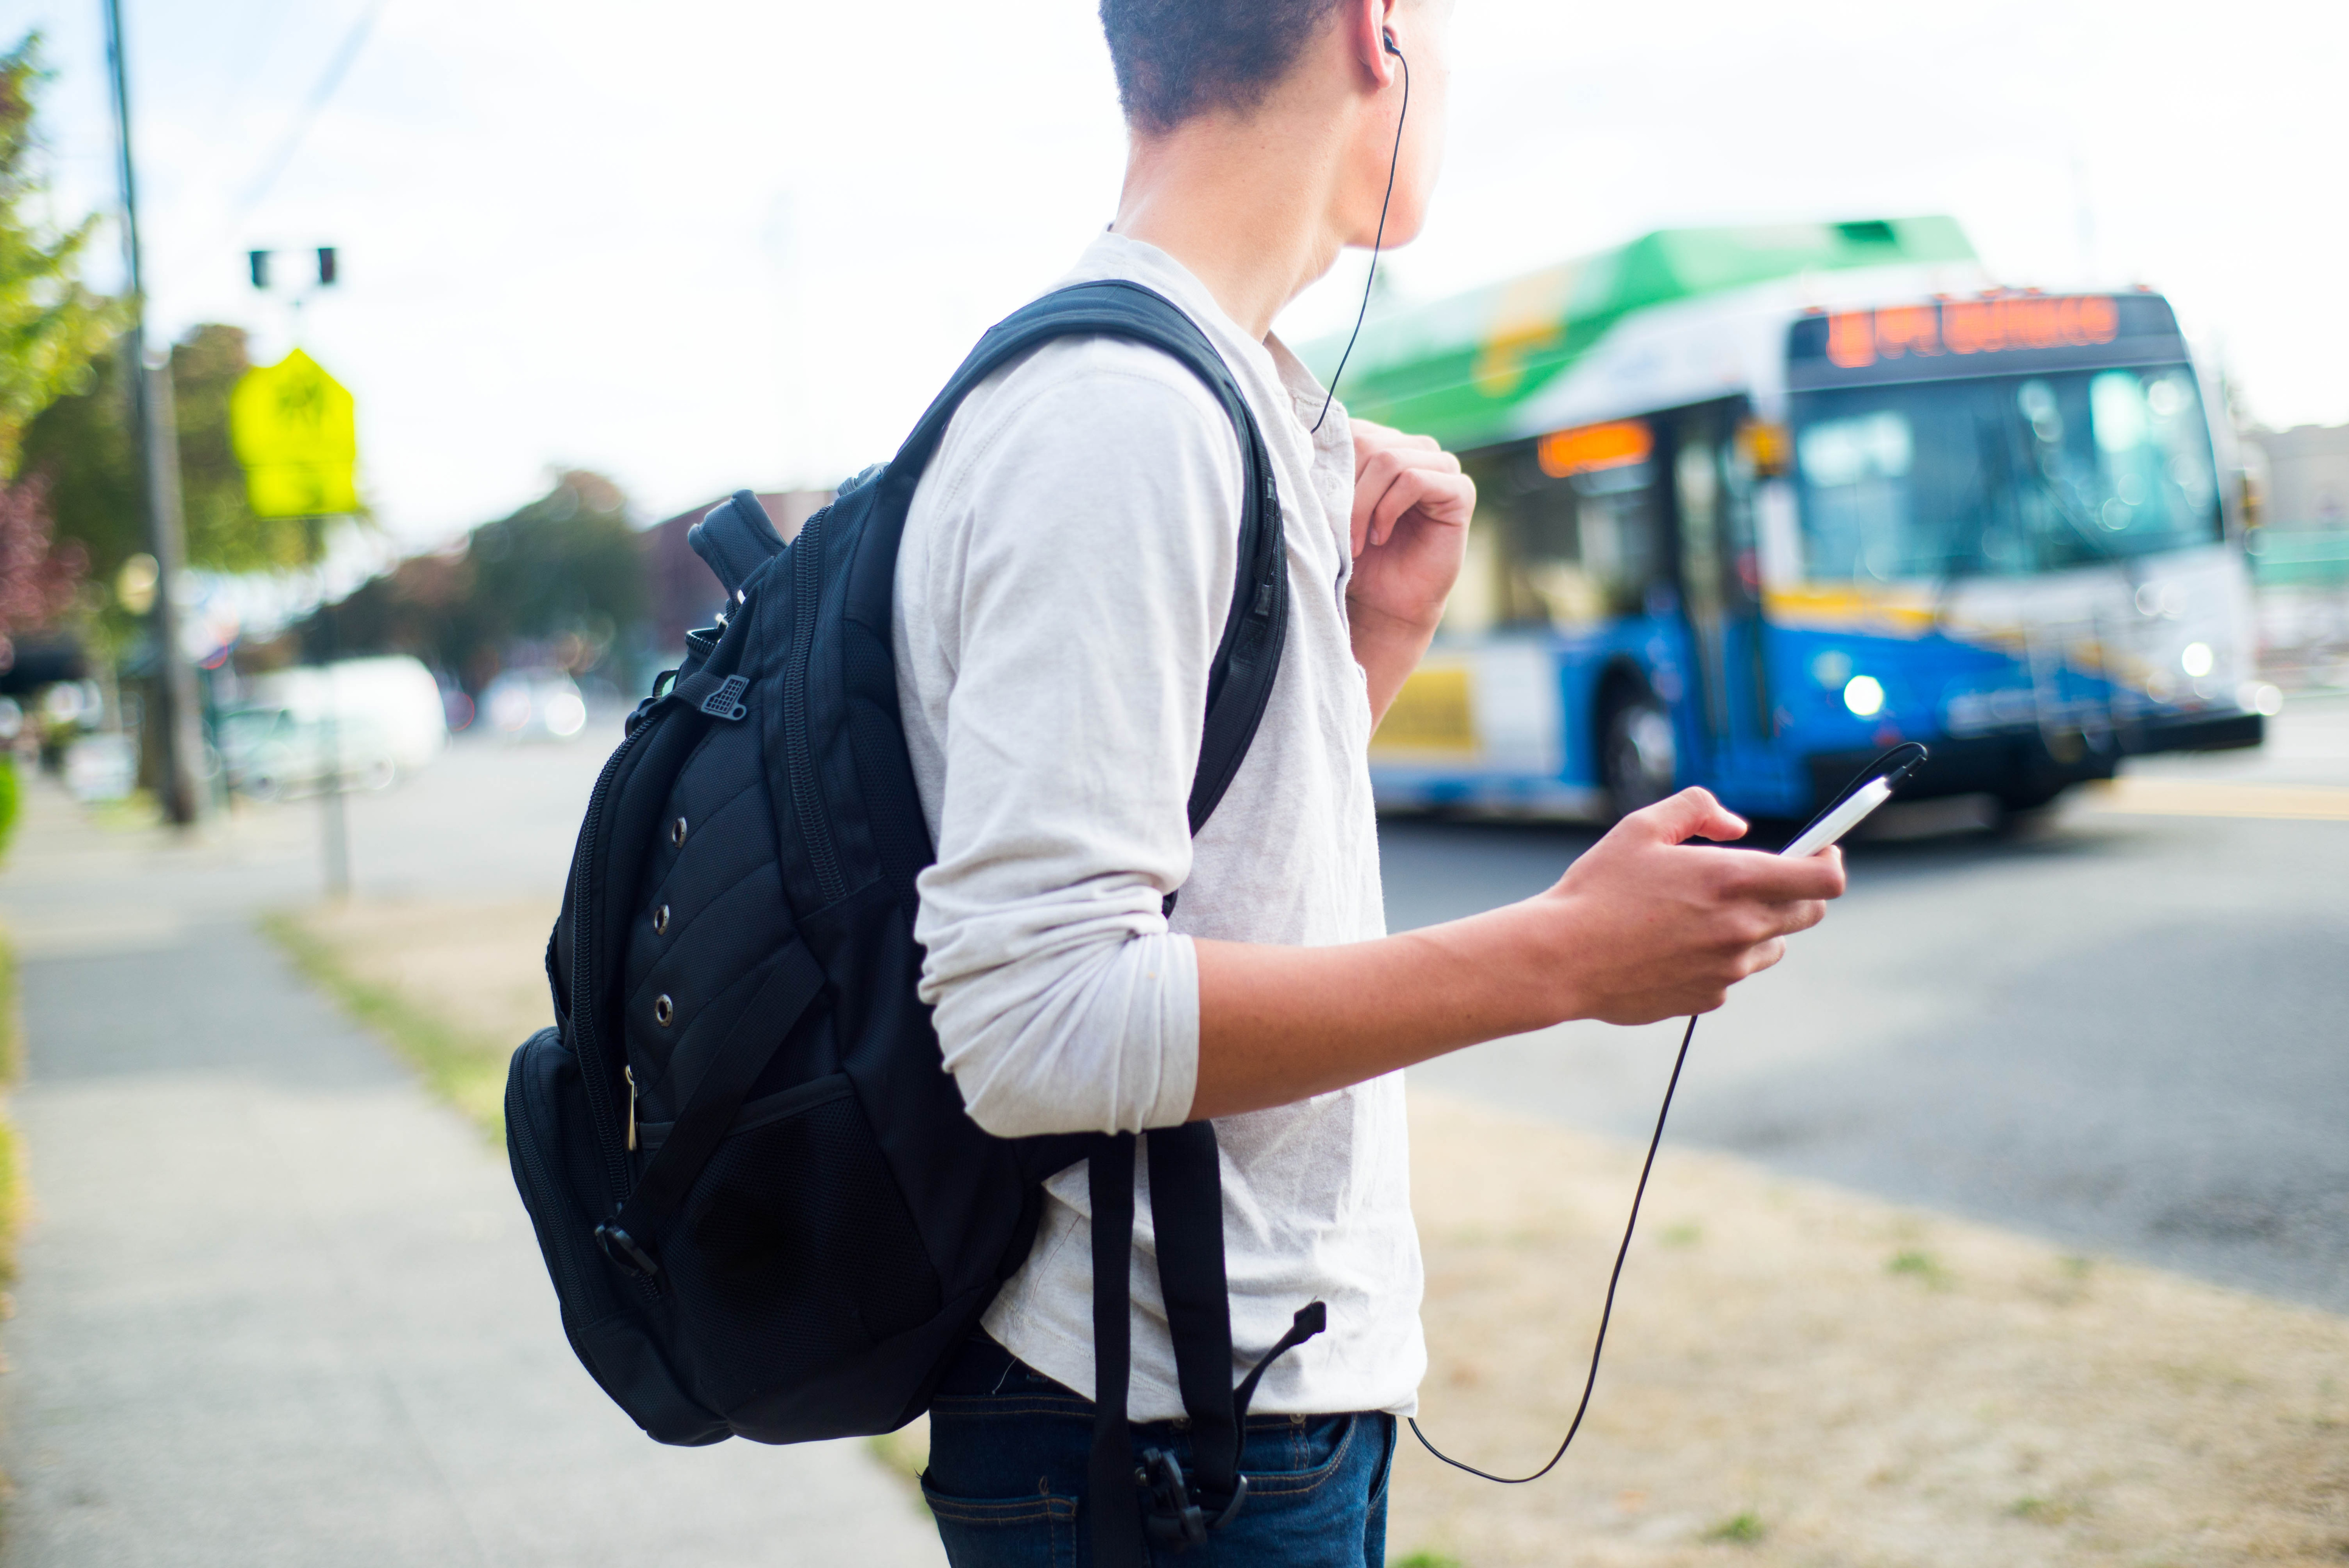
297	432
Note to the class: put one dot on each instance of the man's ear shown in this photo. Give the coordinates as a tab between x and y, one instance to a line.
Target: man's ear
1368	25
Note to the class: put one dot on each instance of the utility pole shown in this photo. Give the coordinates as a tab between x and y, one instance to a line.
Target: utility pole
174	721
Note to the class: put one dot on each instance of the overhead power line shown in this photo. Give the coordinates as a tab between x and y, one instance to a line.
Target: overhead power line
336	68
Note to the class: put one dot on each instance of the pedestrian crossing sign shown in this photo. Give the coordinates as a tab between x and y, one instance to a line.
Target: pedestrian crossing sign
296	432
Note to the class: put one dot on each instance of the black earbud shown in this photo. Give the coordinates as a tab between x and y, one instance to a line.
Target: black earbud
1388	34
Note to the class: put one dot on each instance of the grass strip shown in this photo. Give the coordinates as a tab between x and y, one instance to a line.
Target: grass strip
468	1070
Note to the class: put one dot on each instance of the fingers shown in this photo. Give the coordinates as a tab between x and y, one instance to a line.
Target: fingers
1776	880
1692	813
1393	479
1372	438
1435	496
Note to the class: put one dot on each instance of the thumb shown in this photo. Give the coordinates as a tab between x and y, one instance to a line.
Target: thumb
1691	814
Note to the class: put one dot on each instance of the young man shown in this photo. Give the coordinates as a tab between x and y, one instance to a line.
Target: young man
1062	586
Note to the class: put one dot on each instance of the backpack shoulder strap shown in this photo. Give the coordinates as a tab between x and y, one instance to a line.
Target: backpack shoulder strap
1239	679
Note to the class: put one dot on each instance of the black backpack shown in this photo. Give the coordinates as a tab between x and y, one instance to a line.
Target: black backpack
764	1208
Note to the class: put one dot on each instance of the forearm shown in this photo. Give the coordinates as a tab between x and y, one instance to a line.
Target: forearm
1643	925
1387	648
1282	1024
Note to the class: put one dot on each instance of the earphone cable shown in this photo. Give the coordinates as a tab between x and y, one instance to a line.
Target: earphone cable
1605	1312
1393	160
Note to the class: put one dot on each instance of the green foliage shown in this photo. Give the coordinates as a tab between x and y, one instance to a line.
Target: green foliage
50	328
1426	1558
12	802
1739	1529
83	443
2041	1510
223	533
1919	1265
568	562
566	569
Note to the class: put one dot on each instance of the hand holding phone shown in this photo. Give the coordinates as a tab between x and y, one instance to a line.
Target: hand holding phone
1853	810
1842	819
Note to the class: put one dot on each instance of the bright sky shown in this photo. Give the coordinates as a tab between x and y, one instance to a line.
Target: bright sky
722	242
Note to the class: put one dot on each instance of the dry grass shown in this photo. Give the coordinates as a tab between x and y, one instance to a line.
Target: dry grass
453	989
1801	1375
1797	1375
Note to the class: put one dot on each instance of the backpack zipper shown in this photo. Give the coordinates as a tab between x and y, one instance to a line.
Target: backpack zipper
807	798
583	1001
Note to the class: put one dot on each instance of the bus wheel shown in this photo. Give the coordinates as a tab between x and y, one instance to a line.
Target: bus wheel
1638	758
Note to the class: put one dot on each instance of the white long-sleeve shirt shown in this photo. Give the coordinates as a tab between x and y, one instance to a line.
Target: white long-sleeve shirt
1063	582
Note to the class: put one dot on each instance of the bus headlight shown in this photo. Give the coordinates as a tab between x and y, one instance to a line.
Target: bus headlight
1864	695
2197	660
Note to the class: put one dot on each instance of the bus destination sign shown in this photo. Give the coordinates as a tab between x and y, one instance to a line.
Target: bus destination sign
1993	332
1858	339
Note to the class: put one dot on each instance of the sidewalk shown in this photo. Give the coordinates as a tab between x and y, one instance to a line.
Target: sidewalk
276	1307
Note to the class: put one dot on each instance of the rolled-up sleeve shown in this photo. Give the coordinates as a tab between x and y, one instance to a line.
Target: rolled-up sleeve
1073	551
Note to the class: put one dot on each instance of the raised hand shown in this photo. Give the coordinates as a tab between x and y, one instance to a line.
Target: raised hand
1411	507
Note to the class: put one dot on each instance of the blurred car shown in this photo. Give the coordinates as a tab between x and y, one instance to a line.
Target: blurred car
274	752
393	695
534	704
102	766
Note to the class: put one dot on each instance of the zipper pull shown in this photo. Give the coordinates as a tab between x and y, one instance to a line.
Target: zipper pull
630	1074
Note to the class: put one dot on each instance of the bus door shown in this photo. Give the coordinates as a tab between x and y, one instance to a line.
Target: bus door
1719	590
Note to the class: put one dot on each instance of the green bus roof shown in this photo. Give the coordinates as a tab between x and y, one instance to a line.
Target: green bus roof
1455	369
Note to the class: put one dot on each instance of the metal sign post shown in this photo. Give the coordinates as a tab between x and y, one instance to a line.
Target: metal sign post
296	431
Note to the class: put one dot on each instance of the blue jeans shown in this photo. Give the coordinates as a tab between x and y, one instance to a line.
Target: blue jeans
1007	1478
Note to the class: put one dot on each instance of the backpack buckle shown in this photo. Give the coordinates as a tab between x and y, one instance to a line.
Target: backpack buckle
1174	1517
622	1249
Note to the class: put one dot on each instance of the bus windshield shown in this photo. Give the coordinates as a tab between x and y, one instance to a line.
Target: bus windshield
2002	476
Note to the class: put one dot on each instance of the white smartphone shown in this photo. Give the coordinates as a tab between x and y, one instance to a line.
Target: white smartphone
1843	819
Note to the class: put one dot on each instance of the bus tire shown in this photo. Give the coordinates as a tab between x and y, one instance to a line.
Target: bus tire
1638	757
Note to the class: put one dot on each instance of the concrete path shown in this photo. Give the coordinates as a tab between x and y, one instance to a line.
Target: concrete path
276	1307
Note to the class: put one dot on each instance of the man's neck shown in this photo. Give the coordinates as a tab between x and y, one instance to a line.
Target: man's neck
1245	204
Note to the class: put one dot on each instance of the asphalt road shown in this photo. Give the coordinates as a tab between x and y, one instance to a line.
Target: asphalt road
2124	1032
2121	1031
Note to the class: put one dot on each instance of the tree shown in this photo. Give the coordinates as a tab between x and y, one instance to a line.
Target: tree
50	326
565	573
567	563
80	446
36	582
83	442
223	533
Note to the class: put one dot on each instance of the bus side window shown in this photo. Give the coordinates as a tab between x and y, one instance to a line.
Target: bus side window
1570	553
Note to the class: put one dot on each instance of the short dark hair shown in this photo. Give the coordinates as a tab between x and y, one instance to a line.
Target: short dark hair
1179	58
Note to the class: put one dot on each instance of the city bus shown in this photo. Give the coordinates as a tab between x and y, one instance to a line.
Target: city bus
1755	504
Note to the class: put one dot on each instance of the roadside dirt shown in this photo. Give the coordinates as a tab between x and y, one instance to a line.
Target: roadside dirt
1797	1375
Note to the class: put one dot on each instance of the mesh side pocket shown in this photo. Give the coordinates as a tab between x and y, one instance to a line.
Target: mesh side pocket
795	1253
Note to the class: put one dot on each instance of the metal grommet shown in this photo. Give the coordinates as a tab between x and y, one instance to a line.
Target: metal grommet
677	833
663	1010
660	921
